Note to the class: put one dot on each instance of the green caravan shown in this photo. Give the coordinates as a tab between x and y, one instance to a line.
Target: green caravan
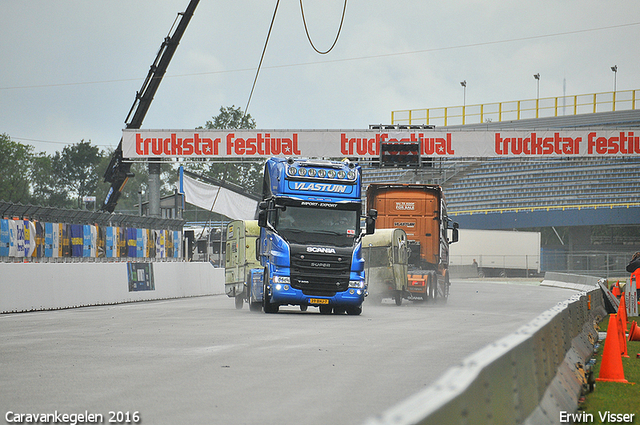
386	258
240	259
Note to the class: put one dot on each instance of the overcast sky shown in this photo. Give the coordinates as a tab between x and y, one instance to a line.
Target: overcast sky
71	68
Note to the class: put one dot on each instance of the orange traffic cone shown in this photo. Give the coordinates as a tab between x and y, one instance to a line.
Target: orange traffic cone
622	335
611	366
622	311
616	290
634	333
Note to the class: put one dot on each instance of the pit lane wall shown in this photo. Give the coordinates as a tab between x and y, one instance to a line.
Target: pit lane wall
528	377
49	286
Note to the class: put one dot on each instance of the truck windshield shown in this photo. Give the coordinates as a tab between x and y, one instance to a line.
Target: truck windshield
306	225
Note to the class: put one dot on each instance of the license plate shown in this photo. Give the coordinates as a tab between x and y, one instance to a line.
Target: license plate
318	301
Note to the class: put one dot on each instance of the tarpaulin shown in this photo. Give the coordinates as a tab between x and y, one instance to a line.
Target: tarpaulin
218	199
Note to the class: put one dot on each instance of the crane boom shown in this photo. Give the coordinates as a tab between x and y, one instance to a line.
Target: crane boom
119	171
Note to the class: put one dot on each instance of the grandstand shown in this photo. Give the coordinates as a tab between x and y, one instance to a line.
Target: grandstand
525	183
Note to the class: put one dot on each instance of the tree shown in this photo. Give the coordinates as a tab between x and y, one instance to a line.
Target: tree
231	117
79	164
47	185
15	162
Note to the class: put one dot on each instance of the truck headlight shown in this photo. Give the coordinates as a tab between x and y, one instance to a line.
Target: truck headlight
356	284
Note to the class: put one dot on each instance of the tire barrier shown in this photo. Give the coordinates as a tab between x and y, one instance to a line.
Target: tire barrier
528	377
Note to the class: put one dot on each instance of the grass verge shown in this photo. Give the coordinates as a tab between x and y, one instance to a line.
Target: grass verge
614	397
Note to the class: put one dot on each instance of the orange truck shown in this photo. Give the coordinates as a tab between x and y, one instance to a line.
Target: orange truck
419	210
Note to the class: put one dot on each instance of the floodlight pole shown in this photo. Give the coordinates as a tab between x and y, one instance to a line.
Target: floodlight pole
537	77
464	99
614	68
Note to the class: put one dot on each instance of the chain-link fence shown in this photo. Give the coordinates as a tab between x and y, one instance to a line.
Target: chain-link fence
593	263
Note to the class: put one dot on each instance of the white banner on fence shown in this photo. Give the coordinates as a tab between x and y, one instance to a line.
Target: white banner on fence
218	199
366	143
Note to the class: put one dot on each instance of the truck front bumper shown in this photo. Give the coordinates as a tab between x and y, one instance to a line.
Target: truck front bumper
284	294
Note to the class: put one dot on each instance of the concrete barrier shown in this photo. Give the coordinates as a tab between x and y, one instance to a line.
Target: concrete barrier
570	281
47	286
528	377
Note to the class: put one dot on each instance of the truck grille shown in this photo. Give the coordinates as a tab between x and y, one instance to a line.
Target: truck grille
319	273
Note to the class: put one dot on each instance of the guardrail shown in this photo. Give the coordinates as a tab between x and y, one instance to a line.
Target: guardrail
519	109
528	377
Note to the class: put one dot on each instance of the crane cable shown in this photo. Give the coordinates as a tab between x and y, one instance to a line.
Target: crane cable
304	21
264	49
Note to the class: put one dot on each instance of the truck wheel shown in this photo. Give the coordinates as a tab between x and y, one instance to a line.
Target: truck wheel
434	286
266	303
398	297
253	305
239	302
354	311
447	285
270	307
325	309
443	290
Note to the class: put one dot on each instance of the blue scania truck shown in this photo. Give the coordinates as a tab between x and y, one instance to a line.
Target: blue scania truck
310	242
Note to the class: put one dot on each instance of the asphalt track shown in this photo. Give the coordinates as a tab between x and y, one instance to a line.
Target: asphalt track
201	361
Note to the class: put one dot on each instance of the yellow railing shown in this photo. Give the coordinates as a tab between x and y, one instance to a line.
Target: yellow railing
544	208
519	109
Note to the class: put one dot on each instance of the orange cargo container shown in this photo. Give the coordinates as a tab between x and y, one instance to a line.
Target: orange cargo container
419	210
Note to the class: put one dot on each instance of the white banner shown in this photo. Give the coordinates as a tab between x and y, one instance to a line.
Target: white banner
366	143
219	200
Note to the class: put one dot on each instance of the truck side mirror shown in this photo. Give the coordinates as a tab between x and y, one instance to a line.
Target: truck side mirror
454	236
371	222
262	217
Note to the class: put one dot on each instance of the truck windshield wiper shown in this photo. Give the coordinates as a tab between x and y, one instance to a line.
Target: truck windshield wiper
326	232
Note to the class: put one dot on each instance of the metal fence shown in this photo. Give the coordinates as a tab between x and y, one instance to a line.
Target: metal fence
519	109
604	264
595	263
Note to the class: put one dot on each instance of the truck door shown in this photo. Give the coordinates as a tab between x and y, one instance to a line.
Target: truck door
429	229
232	262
